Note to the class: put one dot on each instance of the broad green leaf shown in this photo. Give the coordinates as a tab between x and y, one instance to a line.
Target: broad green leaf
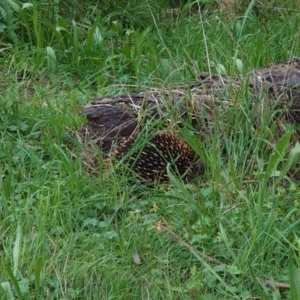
221	69
26	5
7	289
38	273
279	152
117	28
239	65
98	39
14	280
291	162
51	61
91	37
17	250
294	278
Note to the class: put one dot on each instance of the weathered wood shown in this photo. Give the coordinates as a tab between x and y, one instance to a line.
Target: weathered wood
275	86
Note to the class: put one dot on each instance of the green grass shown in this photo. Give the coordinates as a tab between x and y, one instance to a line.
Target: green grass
68	233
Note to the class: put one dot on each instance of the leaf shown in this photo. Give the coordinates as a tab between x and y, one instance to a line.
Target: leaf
117	28
234	270
24	285
136	259
12	128
91	38
38	273
90	221
194	142
279	152
14	280
23	126
111	234
26	5
51	61
246	16
291	162
98	39
7	290
2	29
17	249
239	65
75	41
294	278
221	69
13	5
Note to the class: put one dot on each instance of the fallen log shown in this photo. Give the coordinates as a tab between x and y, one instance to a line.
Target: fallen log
114	118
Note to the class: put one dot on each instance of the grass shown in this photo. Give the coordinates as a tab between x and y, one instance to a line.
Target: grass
67	233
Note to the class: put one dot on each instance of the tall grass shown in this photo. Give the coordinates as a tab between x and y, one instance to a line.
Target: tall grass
67	233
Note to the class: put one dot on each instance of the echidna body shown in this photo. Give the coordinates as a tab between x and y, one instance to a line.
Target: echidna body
150	161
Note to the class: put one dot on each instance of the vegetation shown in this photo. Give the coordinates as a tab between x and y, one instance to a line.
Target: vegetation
67	233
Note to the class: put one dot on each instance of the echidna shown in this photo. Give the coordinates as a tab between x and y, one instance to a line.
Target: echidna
150	161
